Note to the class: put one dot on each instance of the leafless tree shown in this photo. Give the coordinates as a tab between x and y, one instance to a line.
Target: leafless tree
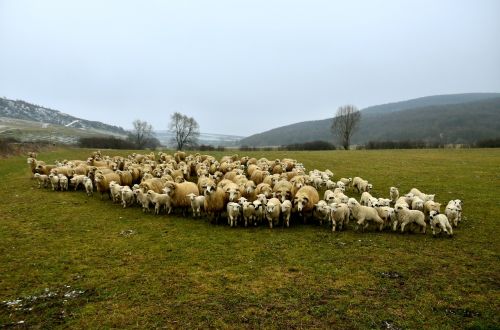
141	134
185	129
345	123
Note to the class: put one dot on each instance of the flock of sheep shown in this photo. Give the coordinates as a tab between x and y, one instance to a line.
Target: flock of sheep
247	191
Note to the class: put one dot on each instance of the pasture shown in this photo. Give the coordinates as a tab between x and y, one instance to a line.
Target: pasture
68	260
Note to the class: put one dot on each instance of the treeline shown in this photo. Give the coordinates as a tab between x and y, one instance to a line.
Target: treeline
112	142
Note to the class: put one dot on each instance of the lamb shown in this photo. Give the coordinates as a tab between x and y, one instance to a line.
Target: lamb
329	184
341	185
386	213
361	185
259	210
346	181
393	194
422	196
214	201
128	197
329	196
160	200
384	202
273	209
233	213
178	193
43	180
54	181
77	180
453	211
248	210
89	186
286	211
63	182
339	215
406	217
321	211
364	214
115	191
439	222
197	203
417	204
142	198
367	199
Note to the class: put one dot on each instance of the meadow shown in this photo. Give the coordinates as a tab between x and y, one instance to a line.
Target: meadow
72	261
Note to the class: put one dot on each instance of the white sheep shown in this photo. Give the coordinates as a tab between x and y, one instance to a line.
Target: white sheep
321	211
340	185
142	198
424	197
248	210
339	215
286	211
439	222
115	190
233	213
386	213
128	197
406	217
89	186
366	199
361	185
384	202
63	182
43	180
453	211
346	181
77	180
330	184
160	200
54	181
393	194
260	211
417	204
273	209
364	214
196	204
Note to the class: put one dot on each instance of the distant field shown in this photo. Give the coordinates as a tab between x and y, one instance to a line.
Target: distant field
79	262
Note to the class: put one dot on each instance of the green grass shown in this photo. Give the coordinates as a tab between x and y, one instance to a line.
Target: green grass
182	273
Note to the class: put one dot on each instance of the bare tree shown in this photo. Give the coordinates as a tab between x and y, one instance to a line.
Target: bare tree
185	129
345	123
141	134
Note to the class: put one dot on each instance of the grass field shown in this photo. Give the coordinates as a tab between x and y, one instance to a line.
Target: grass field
67	260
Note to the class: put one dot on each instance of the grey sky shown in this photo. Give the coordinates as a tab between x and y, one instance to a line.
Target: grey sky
242	67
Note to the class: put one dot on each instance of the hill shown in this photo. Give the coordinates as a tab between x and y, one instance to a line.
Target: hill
459	122
33	115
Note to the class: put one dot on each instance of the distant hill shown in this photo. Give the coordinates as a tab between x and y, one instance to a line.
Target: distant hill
461	118
27	111
215	140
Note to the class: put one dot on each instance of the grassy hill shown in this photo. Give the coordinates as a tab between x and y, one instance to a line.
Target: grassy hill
459	122
78	262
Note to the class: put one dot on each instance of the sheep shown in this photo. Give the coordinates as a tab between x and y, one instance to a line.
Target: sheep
232	191
233	213
197	203
128	197
339	215
249	190
273	209
54	181
393	195
77	180
44	169
340	185
305	199
329	184
424	197
283	190
64	170
406	217
286	211
361	185
248	210
178	193
102	182
125	177
321	211
329	196
364	214
439	222
259	210
63	182
431	206
155	184
115	191
386	213
160	200
34	165
264	188
384	202
417	204
366	199
214	201
89	186
453	211
43	180
346	181
142	198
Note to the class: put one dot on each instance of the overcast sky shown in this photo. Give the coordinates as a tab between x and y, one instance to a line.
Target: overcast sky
242	67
